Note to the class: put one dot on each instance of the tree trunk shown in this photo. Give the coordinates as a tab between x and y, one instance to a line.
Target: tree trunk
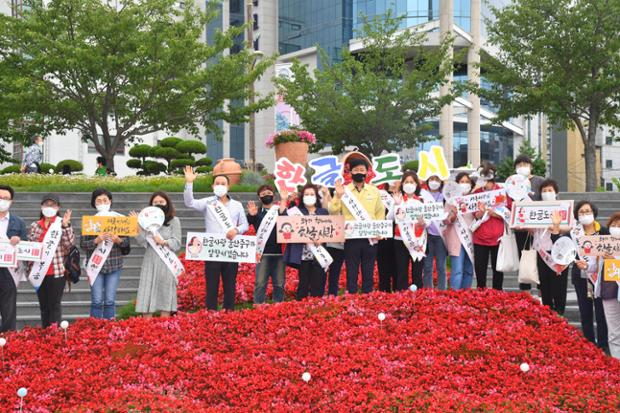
590	160
109	158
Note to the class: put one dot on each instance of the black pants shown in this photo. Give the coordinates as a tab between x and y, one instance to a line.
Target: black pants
228	272
8	301
552	286
523	242
481	263
589	309
402	260
50	298
311	278
359	253
334	270
386	265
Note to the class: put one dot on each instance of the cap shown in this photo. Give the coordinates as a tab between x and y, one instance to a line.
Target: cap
50	197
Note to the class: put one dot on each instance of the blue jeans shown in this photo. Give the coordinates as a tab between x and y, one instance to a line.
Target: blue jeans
103	295
269	266
435	249
462	271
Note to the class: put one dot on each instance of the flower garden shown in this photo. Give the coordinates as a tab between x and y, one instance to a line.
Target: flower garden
434	352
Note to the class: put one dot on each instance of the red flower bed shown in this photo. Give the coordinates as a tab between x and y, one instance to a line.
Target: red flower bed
435	352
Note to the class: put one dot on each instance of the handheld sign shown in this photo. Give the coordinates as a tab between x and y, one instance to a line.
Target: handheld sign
599	245
216	247
611	270
117	225
432	163
537	214
563	251
310	228
151	218
368	229
518	187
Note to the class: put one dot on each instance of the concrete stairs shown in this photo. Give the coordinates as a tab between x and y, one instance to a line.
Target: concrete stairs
76	304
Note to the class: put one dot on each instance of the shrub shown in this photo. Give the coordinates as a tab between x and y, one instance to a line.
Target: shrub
73	165
410	166
46	167
191	147
204	169
181	163
12	169
170	142
204	161
153	167
140	151
134	163
251	178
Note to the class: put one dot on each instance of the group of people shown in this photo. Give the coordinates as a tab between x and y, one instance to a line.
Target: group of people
157	286
418	250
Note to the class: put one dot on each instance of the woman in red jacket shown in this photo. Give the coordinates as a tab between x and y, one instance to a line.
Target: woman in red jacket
491	228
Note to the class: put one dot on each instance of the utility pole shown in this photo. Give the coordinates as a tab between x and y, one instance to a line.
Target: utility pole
249	12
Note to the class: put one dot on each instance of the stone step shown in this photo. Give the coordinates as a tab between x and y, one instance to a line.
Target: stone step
78	293
29	310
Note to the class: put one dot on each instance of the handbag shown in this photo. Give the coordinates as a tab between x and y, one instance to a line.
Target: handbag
507	254
528	266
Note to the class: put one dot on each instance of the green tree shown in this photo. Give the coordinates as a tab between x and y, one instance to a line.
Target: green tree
379	98
561	58
539	166
116	71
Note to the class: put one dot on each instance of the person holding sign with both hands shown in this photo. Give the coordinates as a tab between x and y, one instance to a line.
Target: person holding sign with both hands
223	215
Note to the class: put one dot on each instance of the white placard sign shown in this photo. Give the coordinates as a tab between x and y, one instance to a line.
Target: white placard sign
469	203
8	257
430	211
202	246
368	229
23	251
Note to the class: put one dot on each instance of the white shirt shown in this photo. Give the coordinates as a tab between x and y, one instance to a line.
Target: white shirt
4	226
212	225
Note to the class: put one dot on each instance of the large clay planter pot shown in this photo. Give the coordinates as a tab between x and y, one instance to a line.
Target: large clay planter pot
296	152
230	168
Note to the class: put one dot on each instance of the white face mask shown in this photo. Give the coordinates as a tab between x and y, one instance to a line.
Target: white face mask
49	212
309	200
547	196
586	219
102	207
465	188
5	204
614	231
220	190
524	171
434	185
409	188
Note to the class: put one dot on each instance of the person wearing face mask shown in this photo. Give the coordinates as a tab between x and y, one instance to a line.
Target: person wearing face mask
103	290
611	296
462	270
359	253
312	277
435	248
33	157
523	166
486	237
51	289
157	289
552	285
590	307
12	228
231	222
271	263
409	194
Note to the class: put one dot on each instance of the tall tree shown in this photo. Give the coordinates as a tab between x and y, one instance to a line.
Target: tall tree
378	98
561	58
119	70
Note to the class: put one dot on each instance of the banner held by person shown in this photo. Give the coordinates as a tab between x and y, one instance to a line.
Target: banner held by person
368	229
537	214
112	224
431	211
202	246
310	228
599	245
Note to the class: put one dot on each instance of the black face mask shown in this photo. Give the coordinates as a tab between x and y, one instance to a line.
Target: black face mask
163	208
267	199
358	177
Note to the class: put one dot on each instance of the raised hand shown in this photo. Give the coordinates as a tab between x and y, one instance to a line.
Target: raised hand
252	208
284	195
398	198
66	219
556	218
190	175
339	189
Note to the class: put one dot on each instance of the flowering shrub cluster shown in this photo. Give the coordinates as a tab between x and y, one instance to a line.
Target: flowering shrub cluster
434	352
290	135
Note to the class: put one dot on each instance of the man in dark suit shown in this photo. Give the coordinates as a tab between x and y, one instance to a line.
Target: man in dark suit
12	228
